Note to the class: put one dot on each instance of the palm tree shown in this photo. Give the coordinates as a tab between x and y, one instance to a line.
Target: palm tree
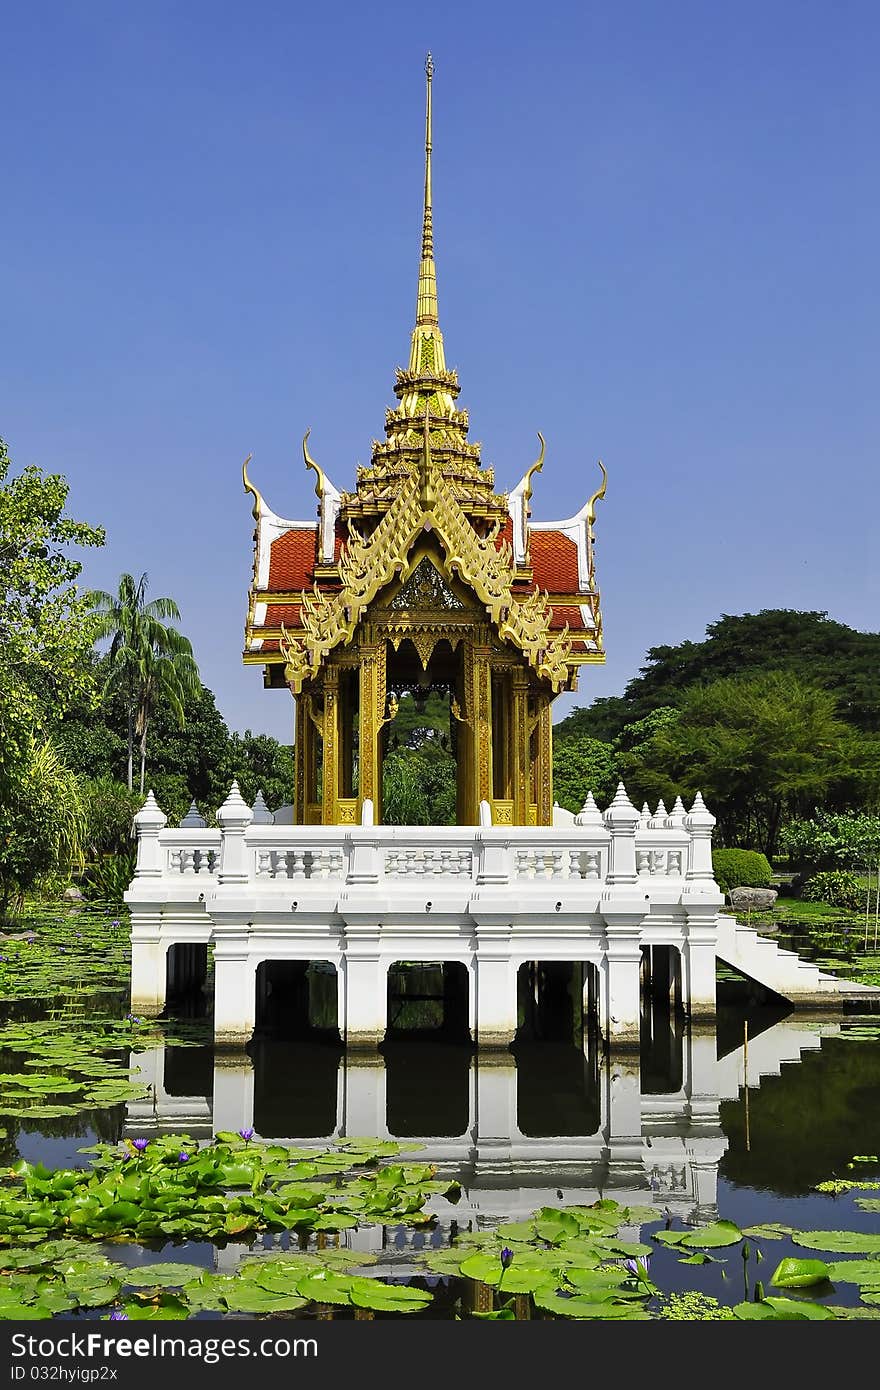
148	659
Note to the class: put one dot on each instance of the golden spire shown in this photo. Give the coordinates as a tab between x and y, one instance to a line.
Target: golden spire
426	308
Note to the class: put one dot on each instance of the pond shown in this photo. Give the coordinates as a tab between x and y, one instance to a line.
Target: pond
425	1180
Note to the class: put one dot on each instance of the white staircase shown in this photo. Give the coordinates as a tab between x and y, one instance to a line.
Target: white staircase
761	959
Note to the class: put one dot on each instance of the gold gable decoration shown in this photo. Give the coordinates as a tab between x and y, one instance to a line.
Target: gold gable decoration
424	503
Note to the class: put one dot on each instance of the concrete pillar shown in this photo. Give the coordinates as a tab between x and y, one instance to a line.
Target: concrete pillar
234	816
147	965
699	822
233	1102
365	992
496	990
698	961
148	823
623	958
234	993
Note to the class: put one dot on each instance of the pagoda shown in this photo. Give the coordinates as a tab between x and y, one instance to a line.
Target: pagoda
423	578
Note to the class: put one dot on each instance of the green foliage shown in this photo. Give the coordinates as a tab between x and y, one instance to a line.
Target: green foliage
830	838
109	809
759	747
741	868
809	645
149	660
419	786
693	1307
42	822
258	763
582	764
837	887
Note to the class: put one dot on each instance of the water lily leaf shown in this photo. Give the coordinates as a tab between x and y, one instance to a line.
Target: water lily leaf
718	1234
14	1312
167	1309
442	1261
855	1242
855	1272
166	1275
755	1312
770	1230
334	1221
516	1230
486	1269
325	1288
584	1308
791	1308
799	1274
391	1298
247	1297
699	1258
868	1203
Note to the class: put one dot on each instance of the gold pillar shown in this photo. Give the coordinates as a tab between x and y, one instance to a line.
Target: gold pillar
519	737
299	760
372	708
543	761
331	745
481	723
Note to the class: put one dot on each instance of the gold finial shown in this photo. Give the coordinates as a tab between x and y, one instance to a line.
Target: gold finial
426	309
535	468
249	487
597	495
310	463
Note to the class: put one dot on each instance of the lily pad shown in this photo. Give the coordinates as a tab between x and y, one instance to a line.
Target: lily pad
799	1274
853	1242
164	1275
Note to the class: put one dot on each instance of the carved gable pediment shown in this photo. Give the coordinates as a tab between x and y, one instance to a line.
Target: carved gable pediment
425	588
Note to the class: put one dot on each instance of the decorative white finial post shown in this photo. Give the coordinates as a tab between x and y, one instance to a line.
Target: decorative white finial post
621	818
589	814
149	822
699	823
234	816
261	813
193	820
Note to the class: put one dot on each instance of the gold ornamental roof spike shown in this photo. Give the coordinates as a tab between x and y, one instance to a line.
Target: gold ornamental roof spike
426	307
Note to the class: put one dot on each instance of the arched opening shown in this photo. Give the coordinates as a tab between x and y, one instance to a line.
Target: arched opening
662	1021
428	1000
186	967
550	1001
419	745
297	999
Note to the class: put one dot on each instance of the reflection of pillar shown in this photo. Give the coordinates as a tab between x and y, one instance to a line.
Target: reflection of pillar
330	789
625	1122
365	991
496	1106
147	964
234	991
701	1077
233	1103
364	1103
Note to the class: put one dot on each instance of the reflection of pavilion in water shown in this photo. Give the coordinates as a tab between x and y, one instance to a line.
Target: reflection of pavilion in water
542	1126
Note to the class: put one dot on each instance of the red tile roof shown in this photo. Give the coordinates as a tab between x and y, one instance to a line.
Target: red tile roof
286	613
554	562
292	560
567	614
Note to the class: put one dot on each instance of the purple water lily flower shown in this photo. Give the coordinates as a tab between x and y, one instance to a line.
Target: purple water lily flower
182	1157
506	1257
118	1316
139	1144
115	922
638	1266
246	1134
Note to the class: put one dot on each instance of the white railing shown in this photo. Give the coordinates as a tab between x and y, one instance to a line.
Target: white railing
619	847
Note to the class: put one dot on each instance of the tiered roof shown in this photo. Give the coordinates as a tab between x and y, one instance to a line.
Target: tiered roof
313	579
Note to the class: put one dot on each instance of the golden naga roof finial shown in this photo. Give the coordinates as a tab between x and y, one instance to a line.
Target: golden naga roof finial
426	309
535	468
249	487
320	480
597	495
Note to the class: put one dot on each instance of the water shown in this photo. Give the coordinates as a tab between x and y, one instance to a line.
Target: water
740	1122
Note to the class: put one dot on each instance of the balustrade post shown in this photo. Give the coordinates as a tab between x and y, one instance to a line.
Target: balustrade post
699	823
621	818
149	822
234	816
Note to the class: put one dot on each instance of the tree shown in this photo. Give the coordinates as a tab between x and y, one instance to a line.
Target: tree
259	762
760	748
42	822
811	645
149	660
582	764
46	629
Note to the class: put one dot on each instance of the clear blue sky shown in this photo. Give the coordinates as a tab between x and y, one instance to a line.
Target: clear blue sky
657	230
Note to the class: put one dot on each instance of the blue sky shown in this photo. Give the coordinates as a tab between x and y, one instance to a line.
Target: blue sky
656	228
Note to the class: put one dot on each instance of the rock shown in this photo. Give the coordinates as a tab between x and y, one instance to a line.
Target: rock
753	899
72	893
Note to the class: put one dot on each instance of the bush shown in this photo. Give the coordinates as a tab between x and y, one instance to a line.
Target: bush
110	809
838	888
741	868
